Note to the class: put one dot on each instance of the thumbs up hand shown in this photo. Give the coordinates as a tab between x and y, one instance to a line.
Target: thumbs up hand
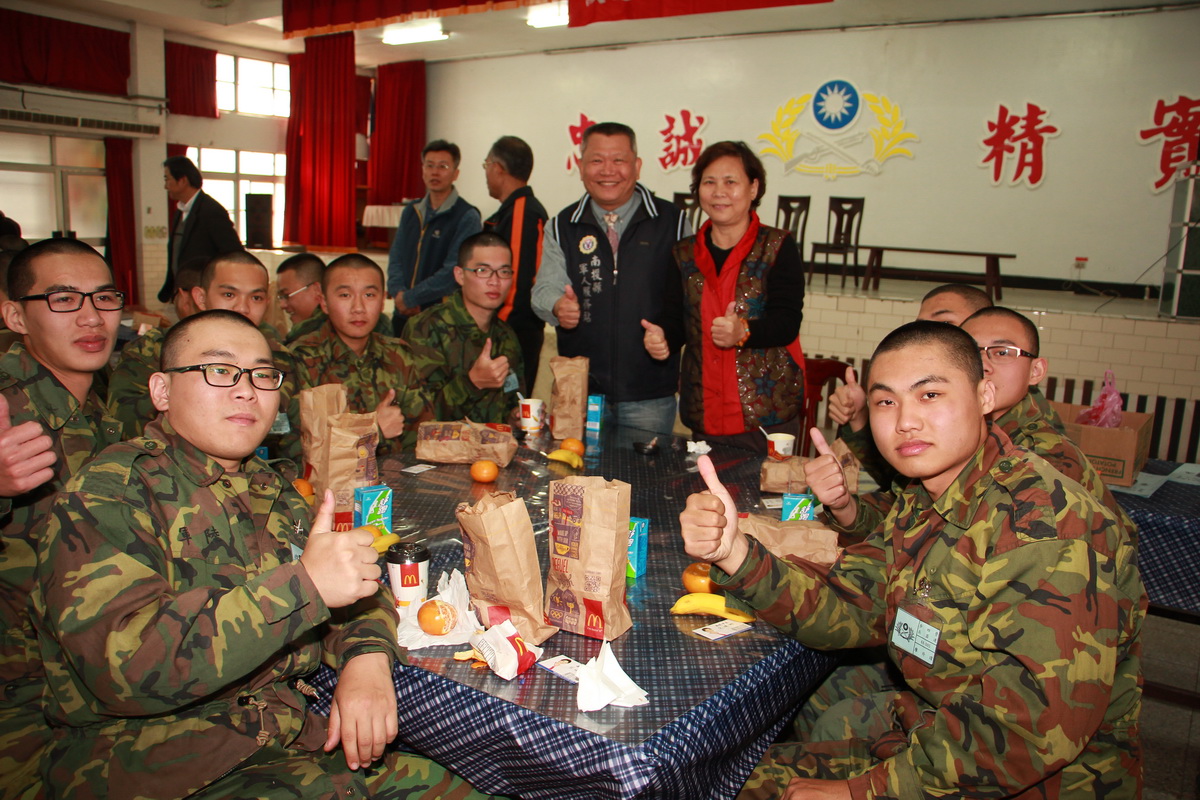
388	417
848	403
728	330
26	455
827	481
708	523
567	309
341	565
655	341
488	372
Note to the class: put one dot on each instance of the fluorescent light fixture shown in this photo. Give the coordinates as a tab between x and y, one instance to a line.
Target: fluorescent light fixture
549	15
414	33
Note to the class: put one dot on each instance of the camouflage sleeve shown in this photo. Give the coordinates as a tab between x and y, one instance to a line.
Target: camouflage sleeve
872	511
1036	643
862	445
129	388
368	626
124	632
826	609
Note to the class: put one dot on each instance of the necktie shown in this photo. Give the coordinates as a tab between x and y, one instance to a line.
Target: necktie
614	239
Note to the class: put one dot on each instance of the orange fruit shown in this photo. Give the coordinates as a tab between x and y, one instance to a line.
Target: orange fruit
696	578
437	617
484	471
304	487
574	445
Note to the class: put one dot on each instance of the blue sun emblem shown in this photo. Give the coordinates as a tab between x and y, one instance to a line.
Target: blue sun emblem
837	105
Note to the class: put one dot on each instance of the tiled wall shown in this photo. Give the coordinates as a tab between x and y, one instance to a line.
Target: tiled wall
1150	357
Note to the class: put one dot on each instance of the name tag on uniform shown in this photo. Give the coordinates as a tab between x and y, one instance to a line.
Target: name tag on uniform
915	637
511	384
281	424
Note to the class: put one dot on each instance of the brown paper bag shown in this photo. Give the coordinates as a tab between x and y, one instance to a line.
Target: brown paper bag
568	398
783	476
465	442
589	547
501	562
809	540
339	448
850	465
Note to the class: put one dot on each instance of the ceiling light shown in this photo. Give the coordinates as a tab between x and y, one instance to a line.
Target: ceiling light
413	34
550	15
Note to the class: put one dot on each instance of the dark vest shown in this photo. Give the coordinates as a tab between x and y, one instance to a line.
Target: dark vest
612	306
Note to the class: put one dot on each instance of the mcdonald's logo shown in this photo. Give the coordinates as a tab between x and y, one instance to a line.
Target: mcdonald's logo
595	621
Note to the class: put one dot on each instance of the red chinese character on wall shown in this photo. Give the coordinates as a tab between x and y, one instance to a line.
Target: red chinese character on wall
1024	135
1178	125
681	147
576	134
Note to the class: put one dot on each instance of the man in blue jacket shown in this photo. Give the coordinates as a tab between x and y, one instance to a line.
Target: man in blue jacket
421	262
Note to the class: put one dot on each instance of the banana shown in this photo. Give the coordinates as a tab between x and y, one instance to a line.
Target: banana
706	603
566	456
382	543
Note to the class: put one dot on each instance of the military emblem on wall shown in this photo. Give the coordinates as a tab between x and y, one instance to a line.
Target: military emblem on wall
826	132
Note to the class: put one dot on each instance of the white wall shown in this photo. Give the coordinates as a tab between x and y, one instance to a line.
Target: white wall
1099	78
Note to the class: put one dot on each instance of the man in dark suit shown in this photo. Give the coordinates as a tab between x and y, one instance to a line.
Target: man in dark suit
200	228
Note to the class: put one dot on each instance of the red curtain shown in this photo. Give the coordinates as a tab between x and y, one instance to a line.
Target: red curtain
362	104
394	170
122	242
320	144
191	80
585	12
52	52
308	17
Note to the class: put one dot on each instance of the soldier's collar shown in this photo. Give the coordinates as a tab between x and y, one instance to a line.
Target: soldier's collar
197	465
53	403
959	504
1023	413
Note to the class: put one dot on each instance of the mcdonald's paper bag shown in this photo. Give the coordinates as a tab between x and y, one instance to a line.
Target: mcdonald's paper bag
589	547
501	561
339	448
808	540
465	442
784	476
568	398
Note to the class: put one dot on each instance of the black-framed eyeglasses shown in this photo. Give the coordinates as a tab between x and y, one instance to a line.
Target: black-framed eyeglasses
285	296
486	273
223	376
65	301
1001	353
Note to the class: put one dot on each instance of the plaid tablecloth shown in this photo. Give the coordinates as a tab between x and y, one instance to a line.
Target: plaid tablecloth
1168	540
714	706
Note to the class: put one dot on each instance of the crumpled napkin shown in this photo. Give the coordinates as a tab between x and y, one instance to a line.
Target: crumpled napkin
698	448
451	588
602	682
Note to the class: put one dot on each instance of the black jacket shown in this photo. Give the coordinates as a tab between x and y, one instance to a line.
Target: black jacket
207	232
523	206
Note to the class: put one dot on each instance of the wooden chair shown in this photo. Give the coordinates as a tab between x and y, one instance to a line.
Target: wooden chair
792	215
820	374
842	227
691	208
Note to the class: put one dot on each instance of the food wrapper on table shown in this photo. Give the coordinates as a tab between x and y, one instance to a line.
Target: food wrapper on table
569	396
786	476
452	589
503	649
501	562
339	448
810	540
465	442
589	547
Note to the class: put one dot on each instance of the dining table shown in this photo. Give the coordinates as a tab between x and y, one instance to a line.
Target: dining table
714	706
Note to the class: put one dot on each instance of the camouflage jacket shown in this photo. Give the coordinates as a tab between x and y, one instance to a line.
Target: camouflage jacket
129	390
1034	687
387	363
309	326
175	619
453	342
1027	426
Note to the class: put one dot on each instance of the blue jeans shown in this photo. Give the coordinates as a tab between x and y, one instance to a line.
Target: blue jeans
657	415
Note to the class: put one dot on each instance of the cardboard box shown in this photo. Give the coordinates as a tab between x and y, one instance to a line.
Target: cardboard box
1118	454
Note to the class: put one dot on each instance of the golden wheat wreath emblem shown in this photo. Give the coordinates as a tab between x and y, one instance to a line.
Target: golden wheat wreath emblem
888	138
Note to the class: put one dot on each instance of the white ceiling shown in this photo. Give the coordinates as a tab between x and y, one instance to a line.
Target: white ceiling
258	23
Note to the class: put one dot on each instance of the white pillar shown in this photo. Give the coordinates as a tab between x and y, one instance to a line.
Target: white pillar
148	80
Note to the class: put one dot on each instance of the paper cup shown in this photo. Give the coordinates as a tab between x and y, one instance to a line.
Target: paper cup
533	415
781	445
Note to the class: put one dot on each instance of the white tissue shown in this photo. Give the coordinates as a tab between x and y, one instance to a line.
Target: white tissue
451	588
699	448
602	682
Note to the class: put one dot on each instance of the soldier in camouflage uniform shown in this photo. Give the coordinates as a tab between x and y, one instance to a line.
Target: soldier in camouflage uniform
234	281
51	423
181	601
1008	596
466	381
298	279
378	372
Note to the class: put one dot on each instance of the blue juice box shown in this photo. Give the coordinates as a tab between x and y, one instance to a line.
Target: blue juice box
639	537
595	412
373	506
798	506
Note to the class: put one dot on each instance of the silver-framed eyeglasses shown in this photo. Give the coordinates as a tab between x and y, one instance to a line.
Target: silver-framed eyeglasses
486	273
65	301
1004	353
223	376
285	296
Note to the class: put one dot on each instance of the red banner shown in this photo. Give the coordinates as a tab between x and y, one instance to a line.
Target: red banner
585	12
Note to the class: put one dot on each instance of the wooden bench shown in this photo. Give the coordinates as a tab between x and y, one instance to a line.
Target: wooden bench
991	275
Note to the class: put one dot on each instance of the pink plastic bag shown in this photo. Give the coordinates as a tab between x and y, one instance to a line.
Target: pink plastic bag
1106	412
